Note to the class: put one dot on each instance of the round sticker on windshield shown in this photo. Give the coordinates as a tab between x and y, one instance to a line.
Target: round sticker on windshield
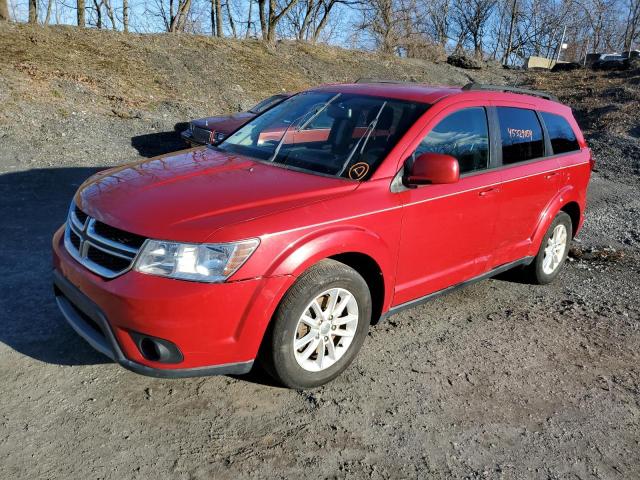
358	170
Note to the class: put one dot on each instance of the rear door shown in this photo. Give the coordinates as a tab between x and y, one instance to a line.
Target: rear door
530	179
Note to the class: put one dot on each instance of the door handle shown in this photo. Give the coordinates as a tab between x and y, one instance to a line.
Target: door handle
488	191
549	176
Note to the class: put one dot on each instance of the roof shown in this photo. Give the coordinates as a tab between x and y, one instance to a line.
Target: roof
415	92
418	92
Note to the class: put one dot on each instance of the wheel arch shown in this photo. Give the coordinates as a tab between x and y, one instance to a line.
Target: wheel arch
369	269
359	248
573	210
566	200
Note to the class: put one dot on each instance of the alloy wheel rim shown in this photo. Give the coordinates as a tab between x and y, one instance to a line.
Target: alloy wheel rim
555	249
326	329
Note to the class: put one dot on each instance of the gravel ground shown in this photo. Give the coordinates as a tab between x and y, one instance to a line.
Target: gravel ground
498	380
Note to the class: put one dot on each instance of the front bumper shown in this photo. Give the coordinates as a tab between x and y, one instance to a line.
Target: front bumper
218	328
188	137
89	322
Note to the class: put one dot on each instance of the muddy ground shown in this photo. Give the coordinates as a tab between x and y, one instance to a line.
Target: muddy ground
498	380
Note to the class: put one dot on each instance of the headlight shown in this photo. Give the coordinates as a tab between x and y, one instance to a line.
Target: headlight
197	262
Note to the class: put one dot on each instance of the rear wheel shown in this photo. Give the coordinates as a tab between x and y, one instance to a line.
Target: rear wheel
319	326
553	251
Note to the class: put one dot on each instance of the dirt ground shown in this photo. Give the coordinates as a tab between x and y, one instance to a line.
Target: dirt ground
498	380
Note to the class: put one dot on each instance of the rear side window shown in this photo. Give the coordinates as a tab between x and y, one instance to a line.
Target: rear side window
462	135
563	139
521	135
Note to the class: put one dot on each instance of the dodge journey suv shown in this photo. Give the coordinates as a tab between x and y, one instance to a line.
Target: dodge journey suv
334	209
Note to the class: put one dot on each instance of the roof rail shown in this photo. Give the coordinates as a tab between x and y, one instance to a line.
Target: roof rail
504	88
381	80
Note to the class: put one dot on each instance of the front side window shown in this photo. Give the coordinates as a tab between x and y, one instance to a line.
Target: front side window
338	134
563	139
521	135
463	135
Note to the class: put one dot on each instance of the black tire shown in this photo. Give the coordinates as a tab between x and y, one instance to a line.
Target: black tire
534	272
277	354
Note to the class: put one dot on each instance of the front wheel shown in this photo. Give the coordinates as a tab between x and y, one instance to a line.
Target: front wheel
553	251
319	326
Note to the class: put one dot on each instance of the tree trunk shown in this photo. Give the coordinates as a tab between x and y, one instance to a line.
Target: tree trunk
507	50
80	11
4	11
98	6
248	32
219	25
323	22
302	33
47	18
232	24
33	11
125	15
214	21
263	18
110	13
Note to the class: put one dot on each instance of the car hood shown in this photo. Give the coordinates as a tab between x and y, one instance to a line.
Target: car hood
189	195
224	124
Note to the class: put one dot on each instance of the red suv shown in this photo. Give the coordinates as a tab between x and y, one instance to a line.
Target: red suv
338	207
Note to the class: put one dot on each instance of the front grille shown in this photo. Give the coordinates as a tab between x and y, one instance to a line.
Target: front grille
80	215
101	248
126	238
107	260
75	240
201	135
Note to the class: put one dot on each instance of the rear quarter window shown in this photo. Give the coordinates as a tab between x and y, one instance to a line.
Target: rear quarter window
521	135
563	138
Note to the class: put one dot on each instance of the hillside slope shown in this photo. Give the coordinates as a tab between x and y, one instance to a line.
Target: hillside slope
67	93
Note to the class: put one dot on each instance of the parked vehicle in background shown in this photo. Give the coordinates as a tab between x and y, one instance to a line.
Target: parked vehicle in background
212	130
566	66
611	62
334	209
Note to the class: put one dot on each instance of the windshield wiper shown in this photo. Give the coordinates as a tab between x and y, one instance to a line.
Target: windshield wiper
314	112
367	134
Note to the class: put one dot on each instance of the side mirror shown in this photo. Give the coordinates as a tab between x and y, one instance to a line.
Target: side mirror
433	168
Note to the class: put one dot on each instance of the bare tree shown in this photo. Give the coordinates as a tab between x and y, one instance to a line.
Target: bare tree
232	23
125	15
270	16
216	18
439	20
471	17
632	24
512	23
80	6
33	11
4	11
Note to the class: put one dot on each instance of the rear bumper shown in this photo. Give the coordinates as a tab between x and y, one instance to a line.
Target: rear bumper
217	328
86	318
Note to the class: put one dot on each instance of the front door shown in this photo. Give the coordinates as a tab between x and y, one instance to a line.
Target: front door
447	230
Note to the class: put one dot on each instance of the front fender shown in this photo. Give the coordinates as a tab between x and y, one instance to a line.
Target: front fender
310	249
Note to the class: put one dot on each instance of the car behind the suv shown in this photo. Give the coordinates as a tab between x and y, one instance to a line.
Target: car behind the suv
340	206
212	130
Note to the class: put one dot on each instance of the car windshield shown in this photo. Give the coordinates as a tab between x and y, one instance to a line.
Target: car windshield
337	134
267	103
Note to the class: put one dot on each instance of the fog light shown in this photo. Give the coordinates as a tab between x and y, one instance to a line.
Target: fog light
156	349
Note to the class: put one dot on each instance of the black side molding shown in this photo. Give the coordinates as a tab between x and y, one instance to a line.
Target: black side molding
431	296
